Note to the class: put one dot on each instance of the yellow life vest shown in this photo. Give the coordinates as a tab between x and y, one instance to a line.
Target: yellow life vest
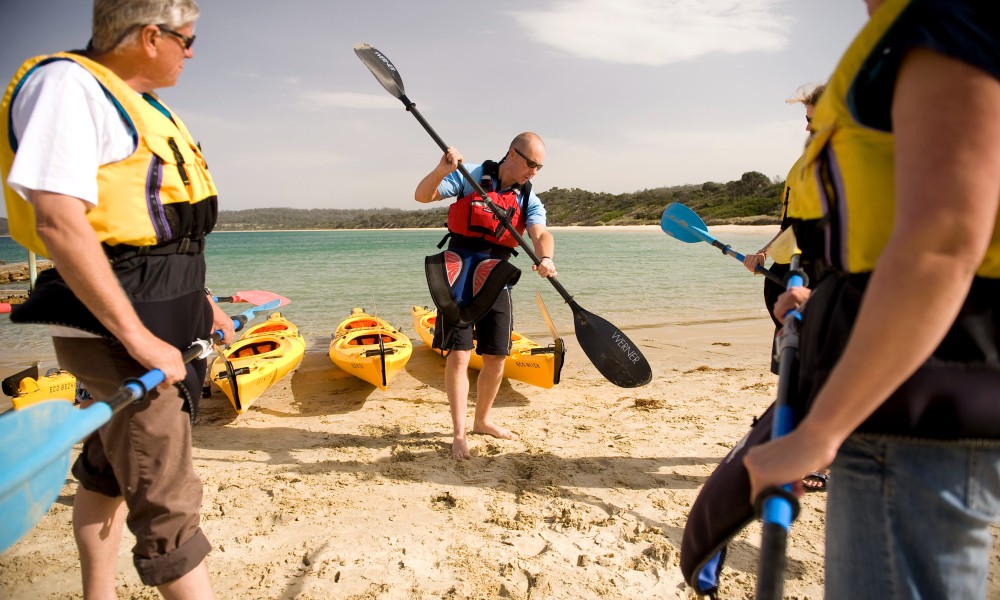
784	246
845	191
147	199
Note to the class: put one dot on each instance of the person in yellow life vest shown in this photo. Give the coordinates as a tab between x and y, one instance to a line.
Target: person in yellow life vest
779	248
900	339
477	240
808	97
104	179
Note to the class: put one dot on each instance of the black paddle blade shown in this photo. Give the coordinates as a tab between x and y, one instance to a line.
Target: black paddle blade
10	384
382	69
614	355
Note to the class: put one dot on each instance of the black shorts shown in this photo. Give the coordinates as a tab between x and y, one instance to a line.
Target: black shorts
492	332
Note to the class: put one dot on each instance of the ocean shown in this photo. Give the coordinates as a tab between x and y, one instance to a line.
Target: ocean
632	277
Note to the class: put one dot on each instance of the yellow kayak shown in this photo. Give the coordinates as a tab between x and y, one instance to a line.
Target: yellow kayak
267	352
27	388
369	348
528	361
275	324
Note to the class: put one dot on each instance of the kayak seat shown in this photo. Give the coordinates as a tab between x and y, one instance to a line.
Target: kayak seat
264	348
271	328
255	349
371	340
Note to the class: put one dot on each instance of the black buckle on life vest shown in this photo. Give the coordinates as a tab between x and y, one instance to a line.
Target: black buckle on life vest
477	245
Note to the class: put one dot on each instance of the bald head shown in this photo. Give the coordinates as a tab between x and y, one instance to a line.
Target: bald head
527	141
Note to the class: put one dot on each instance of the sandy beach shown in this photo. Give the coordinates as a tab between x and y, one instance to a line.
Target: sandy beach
329	488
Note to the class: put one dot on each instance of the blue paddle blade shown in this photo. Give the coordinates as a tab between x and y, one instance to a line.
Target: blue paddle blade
273	304
35	453
682	223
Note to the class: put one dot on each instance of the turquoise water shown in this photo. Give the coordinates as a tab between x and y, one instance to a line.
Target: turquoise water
631	278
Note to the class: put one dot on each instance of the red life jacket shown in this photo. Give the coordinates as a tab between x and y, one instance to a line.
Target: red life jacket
470	217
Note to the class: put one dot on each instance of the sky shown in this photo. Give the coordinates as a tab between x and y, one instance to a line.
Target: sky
627	94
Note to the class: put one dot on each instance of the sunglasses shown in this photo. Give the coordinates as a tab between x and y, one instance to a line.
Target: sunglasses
186	41
531	164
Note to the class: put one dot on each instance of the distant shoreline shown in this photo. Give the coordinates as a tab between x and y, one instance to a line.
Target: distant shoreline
589	228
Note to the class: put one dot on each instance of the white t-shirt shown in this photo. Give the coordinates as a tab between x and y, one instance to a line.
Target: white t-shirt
66	127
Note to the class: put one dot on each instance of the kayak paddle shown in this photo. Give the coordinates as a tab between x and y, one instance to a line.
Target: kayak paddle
682	223
616	357
545	315
37	441
558	346
777	506
253	297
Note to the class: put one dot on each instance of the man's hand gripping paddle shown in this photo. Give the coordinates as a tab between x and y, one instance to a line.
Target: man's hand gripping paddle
617	358
37	441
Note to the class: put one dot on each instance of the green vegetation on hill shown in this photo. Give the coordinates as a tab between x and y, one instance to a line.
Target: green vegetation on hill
751	200
754	199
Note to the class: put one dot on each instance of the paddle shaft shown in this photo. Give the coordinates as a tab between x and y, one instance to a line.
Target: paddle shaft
777	511
381	344
706	237
504	220
726	249
615	356
610	350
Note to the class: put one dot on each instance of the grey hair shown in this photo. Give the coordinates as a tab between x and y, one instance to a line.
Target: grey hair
116	21
808	94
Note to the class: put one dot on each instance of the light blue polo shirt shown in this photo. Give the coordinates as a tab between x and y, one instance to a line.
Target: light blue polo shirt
454	185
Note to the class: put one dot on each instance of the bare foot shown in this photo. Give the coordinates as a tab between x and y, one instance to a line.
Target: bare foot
460	449
488	428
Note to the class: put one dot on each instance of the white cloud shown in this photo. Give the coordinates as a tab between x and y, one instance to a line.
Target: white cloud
322	100
649	158
657	32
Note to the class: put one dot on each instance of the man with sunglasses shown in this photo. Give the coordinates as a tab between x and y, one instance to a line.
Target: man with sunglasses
476	238
106	181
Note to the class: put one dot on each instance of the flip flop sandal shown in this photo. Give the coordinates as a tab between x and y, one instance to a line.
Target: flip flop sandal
815	481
